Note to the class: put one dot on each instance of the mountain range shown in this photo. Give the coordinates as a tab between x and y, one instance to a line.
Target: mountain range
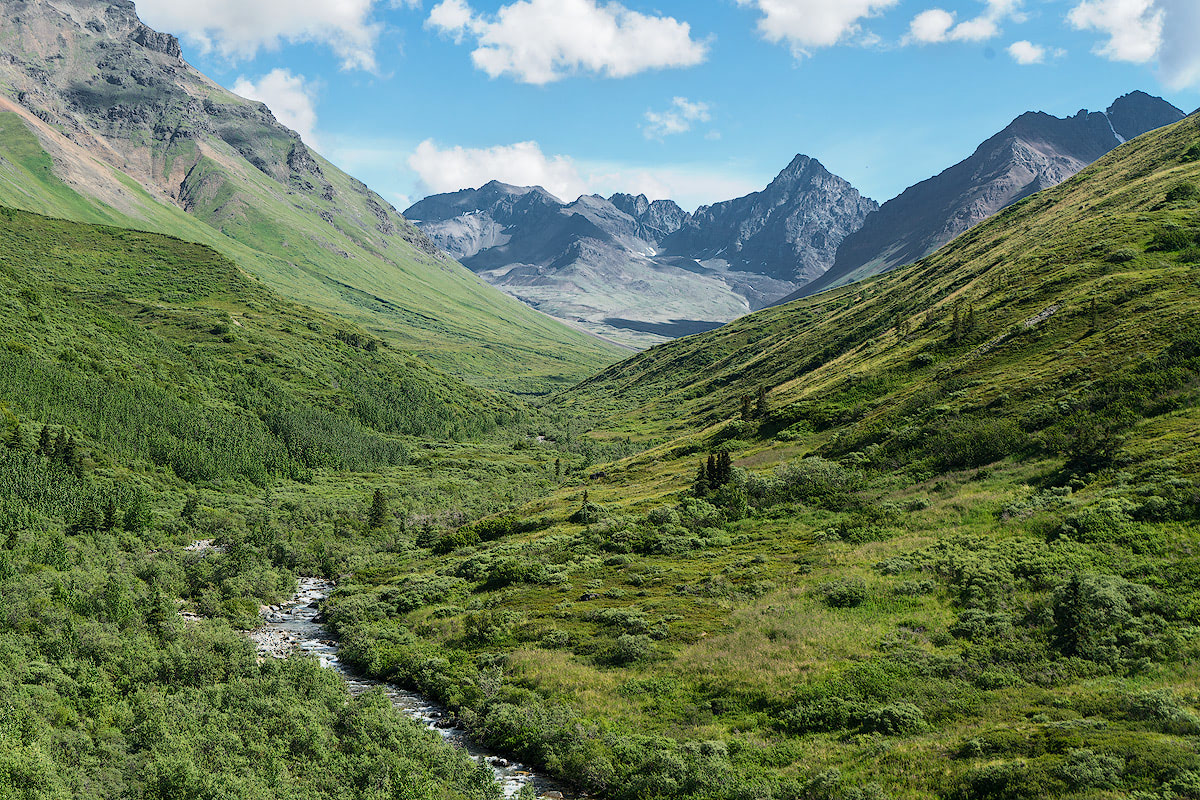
641	271
638	270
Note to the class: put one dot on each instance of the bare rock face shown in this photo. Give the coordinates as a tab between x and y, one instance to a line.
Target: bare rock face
1036	151
163	43
790	231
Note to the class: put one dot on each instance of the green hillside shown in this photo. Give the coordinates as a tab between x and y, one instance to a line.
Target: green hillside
152	395
952	552
96	127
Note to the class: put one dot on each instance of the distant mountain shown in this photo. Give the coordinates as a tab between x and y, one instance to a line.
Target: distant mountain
101	120
592	262
1035	152
789	231
640	270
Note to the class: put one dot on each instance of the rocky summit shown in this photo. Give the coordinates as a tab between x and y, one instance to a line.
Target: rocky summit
1036	151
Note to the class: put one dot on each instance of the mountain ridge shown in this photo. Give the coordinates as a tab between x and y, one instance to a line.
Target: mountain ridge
1033	152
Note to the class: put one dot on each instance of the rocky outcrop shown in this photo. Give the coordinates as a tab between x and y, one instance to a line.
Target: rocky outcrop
1036	151
163	43
790	231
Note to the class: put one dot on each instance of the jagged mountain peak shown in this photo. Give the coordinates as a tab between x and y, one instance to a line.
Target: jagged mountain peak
1035	151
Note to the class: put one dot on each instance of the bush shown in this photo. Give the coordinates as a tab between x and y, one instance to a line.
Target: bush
1182	191
896	719
844	593
631	647
1103	618
1170	239
1086	769
1123	255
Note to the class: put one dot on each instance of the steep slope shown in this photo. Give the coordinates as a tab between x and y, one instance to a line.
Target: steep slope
592	262
138	137
952	551
790	231
1036	151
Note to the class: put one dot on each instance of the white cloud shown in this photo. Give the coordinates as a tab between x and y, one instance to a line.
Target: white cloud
1142	31
521	164
1179	55
809	24
1134	27
930	26
1026	52
290	97
541	41
524	164
238	29
938	25
679	118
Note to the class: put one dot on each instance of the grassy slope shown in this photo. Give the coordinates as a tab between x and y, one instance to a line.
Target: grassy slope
895	573
317	236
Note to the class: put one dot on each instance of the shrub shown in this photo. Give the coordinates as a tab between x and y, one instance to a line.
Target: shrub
1086	769
631	647
896	719
846	593
1182	191
1170	239
1123	255
1102	618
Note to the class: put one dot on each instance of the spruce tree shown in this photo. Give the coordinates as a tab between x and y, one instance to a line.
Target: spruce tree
700	486
110	514
190	506
762	407
747	408
379	510
45	445
725	467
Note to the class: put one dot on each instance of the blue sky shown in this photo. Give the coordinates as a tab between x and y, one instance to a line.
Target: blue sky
696	101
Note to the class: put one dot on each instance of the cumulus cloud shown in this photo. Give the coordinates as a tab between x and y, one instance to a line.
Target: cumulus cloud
521	164
1025	52
290	97
1134	27
524	164
938	25
238	29
541	41
679	118
1142	31
808	24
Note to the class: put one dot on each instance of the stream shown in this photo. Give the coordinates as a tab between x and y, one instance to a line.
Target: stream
291	627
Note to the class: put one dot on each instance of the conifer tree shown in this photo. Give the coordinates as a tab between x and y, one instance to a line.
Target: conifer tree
557	468
45	445
747	409
762	407
700	486
379	510
190	506
110	514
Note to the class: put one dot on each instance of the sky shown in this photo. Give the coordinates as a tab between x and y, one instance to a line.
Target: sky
694	100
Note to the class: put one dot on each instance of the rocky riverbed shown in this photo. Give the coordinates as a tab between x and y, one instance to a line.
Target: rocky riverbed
293	627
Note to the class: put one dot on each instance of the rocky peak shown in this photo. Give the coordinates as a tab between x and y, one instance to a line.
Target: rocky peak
1136	113
633	206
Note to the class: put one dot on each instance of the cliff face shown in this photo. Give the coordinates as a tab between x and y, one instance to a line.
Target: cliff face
1036	151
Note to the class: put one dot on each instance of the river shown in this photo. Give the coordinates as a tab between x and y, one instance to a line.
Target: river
291	627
